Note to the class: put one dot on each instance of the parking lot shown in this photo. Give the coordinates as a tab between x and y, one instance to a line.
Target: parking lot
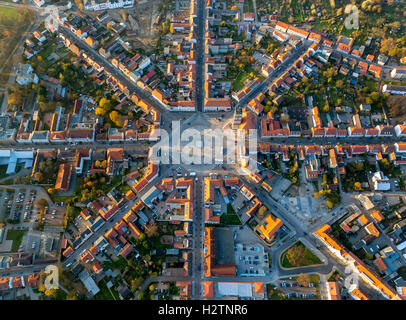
292	289
18	211
17	206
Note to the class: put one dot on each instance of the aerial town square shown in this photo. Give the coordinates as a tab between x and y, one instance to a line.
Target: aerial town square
202	150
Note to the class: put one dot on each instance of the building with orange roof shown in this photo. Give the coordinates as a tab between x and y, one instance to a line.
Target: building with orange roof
266	186
357	294
97	268
248	120
208	291
126	250
281	26
268	228
254	206
33	280
85	214
356	263
211	268
400	147
181	201
63	178
94	250
333	291
377	215
363	220
372	230
316	118
5	283
297	32
315	37
370	58
332	158
185	288
68	251
17	282
209	217
375	70
259	287
135	232
210	185
380	265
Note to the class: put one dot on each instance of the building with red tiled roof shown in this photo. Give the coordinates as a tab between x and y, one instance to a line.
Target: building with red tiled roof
185	288
323	234
94	250
356	132
86	257
85	214
33	280
67	252
268	228
63	178
333	291
209	217
97	267
210	266
114	155
5	283
135	232
208	291
18	282
127	249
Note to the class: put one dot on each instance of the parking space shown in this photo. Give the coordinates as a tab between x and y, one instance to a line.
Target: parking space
292	289
41	244
8	199
17	207
279	187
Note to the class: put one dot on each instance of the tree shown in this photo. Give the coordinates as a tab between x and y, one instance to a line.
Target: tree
51	191
285	118
261	212
326	107
100	111
357	186
151	229
303	279
38	176
116	118
387	44
295	255
50	292
105	104
123	15
40	203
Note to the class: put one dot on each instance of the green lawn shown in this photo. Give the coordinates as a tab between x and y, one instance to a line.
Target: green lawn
16	236
62	198
16	22
8	16
304	257
3	170
402	272
248	6
274	293
106	293
230	217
